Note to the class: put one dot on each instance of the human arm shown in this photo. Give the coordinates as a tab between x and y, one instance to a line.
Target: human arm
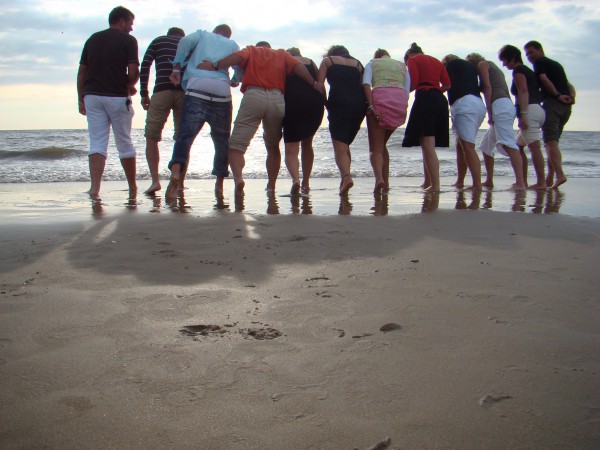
552	91
483	70
367	81
81	72
133	75
572	92
445	80
145	75
322	75
522	99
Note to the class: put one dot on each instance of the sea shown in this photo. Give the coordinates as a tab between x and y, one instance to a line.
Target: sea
48	156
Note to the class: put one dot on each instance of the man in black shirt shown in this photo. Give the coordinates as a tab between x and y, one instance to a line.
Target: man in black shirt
108	72
558	98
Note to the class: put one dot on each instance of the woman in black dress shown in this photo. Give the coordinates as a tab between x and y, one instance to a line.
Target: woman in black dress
346	105
303	116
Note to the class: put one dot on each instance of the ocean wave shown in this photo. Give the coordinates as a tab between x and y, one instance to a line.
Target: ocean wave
44	153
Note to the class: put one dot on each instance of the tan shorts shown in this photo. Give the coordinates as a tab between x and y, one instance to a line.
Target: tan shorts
258	105
161	104
535	120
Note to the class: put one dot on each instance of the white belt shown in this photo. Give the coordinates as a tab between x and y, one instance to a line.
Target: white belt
207	96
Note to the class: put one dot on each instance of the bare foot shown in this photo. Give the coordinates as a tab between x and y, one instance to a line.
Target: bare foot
457	185
473	188
305	187
295	188
488	184
537	187
379	187
518	187
94	195
239	187
433	190
172	190
133	193
346	184
153	188
559	181
550	180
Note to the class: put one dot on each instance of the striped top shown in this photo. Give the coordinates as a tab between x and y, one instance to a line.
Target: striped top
162	52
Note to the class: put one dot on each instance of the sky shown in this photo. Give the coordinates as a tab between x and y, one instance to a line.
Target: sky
41	40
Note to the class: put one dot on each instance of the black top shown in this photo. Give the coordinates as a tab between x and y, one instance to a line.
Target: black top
555	73
161	51
106	55
463	77
533	86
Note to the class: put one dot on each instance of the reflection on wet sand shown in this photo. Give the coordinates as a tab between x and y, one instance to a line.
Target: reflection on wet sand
345	206
431	202
380	206
300	203
272	204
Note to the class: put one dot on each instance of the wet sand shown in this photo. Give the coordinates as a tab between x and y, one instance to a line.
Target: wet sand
142	326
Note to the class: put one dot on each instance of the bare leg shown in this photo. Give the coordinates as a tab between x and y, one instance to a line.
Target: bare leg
129	167
554	165
292	149
174	182
489	169
308	158
237	163
376	147
219	186
153	158
97	163
386	161
461	166
431	162
273	166
343	161
473	163
524	163
538	164
517	164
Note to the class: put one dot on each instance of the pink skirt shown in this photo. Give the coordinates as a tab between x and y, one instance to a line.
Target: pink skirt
391	104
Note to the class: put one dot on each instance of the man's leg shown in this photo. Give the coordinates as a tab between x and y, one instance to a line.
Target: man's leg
121	118
97	163
272	125
555	161
98	130
237	163
153	158
129	168
219	119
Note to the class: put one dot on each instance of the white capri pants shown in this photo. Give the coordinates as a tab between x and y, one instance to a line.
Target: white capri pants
104	112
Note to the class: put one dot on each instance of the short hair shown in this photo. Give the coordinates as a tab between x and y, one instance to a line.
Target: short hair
175	31
534	44
380	53
118	13
337	50
510	53
223	30
449	58
474	58
413	50
294	51
263	44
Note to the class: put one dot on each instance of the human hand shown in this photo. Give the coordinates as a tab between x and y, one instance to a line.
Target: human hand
206	65
81	107
132	90
145	102
175	77
523	125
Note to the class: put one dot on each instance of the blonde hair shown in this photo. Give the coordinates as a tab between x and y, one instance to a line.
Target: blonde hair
449	58
294	51
474	58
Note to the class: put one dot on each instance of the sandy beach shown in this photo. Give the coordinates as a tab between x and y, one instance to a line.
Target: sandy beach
458	322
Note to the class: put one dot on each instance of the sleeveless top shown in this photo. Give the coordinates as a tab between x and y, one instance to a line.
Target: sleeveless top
498	83
388	72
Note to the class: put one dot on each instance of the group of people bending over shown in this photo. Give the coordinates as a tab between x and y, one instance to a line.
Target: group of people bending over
285	92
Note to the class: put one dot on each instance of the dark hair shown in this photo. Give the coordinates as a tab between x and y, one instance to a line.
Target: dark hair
223	30
379	53
510	53
174	31
294	51
263	44
413	50
337	50
534	44
118	13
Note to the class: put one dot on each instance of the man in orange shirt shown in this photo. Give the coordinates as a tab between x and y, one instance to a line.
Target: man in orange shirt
263	85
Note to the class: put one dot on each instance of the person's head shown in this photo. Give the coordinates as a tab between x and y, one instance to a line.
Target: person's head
533	51
121	19
412	51
380	53
474	58
449	58
510	56
337	50
174	31
223	30
294	51
263	44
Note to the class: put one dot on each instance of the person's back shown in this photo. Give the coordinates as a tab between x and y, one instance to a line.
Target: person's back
426	72
497	82
265	67
463	77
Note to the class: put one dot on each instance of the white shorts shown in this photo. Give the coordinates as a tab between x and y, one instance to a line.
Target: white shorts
467	114
104	112
501	133
535	119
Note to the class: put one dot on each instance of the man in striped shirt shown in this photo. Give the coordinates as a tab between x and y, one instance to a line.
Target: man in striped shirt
166	97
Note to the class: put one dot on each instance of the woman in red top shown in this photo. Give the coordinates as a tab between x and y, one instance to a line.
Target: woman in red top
428	123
